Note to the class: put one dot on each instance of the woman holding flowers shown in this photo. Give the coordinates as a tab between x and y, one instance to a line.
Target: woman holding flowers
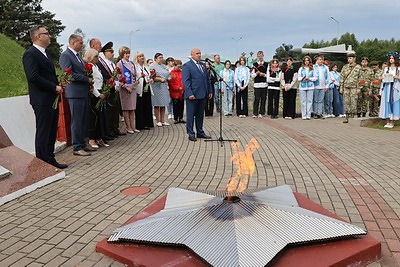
97	117
161	97
127	92
143	112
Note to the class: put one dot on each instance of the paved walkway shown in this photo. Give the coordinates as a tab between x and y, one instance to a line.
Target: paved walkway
351	171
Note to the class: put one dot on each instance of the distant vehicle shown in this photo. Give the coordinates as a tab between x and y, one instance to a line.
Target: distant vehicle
336	49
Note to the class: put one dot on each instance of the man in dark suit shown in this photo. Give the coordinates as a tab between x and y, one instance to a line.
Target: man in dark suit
106	67
77	93
43	89
197	87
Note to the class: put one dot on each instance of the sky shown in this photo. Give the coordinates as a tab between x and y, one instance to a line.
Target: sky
224	27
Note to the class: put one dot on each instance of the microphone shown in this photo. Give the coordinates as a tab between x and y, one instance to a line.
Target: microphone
208	60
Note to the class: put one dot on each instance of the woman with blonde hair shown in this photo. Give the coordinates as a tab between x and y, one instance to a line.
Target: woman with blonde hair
127	92
143	112
97	116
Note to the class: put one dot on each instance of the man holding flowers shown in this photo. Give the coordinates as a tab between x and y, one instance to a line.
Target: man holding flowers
43	91
77	93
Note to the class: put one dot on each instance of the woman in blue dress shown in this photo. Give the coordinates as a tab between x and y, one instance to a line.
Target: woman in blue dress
390	100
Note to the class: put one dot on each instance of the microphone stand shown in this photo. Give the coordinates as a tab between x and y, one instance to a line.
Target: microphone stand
220	138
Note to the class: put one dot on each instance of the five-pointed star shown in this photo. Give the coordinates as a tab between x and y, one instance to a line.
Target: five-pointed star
246	233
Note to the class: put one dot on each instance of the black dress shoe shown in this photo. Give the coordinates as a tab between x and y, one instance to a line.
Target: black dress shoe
204	136
182	121
146	128
58	165
108	138
89	149
120	133
192	138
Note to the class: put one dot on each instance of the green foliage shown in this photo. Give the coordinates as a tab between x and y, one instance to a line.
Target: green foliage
18	16
374	49
12	76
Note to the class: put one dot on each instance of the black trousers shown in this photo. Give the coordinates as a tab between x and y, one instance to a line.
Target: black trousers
46	132
241	102
97	119
273	102
289	103
144	111
209	104
260	98
113	108
178	106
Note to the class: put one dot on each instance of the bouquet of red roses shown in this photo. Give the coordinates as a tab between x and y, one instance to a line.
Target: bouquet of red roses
152	75
89	72
105	90
63	79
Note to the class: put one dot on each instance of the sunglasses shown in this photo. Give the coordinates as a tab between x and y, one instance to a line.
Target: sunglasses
45	33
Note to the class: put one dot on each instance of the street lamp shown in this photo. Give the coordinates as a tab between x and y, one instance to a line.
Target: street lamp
337	33
237	46
130	38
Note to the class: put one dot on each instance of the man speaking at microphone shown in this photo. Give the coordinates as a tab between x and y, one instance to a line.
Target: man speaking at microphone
197	87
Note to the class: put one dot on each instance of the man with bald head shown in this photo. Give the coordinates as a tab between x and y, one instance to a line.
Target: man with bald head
197	87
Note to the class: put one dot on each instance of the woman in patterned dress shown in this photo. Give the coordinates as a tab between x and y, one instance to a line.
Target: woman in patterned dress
161	98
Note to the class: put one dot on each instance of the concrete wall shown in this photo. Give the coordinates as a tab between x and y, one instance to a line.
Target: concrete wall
18	121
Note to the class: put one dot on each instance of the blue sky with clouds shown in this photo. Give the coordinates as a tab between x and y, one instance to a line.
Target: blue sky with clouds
174	27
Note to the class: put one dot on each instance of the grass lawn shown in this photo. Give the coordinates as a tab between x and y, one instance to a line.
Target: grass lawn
12	76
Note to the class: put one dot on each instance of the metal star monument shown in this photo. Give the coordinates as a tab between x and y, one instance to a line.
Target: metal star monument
246	230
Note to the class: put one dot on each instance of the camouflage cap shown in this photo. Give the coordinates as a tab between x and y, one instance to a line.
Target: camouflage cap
351	55
365	58
373	63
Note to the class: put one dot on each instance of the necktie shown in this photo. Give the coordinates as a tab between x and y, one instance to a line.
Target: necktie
112	66
199	66
77	56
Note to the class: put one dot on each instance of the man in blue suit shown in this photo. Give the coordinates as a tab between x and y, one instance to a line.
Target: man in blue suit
197	87
77	93
43	89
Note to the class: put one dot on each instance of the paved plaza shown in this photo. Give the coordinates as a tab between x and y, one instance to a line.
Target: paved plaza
351	171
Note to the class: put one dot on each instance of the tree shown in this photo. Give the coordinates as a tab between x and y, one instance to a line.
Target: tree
18	16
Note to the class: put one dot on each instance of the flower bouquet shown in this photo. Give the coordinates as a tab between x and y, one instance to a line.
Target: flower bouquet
105	90
152	75
89	72
63	79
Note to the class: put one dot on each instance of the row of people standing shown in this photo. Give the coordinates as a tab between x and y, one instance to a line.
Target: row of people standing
268	80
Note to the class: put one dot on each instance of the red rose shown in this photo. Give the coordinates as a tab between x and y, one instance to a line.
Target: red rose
122	80
153	72
143	75
68	70
88	66
118	70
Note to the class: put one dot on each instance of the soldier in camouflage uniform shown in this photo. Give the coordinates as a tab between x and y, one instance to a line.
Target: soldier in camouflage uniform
364	84
350	76
374	89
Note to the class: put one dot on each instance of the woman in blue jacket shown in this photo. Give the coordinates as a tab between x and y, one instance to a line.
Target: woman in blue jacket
227	85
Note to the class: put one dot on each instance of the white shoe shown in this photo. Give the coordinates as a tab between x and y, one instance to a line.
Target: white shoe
244	116
254	116
390	126
304	118
165	124
154	117
159	124
170	116
260	116
387	125
122	119
288	118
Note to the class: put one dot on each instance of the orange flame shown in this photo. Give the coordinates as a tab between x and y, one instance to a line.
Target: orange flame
245	166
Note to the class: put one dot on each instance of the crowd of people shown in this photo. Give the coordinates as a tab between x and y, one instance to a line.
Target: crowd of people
139	91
